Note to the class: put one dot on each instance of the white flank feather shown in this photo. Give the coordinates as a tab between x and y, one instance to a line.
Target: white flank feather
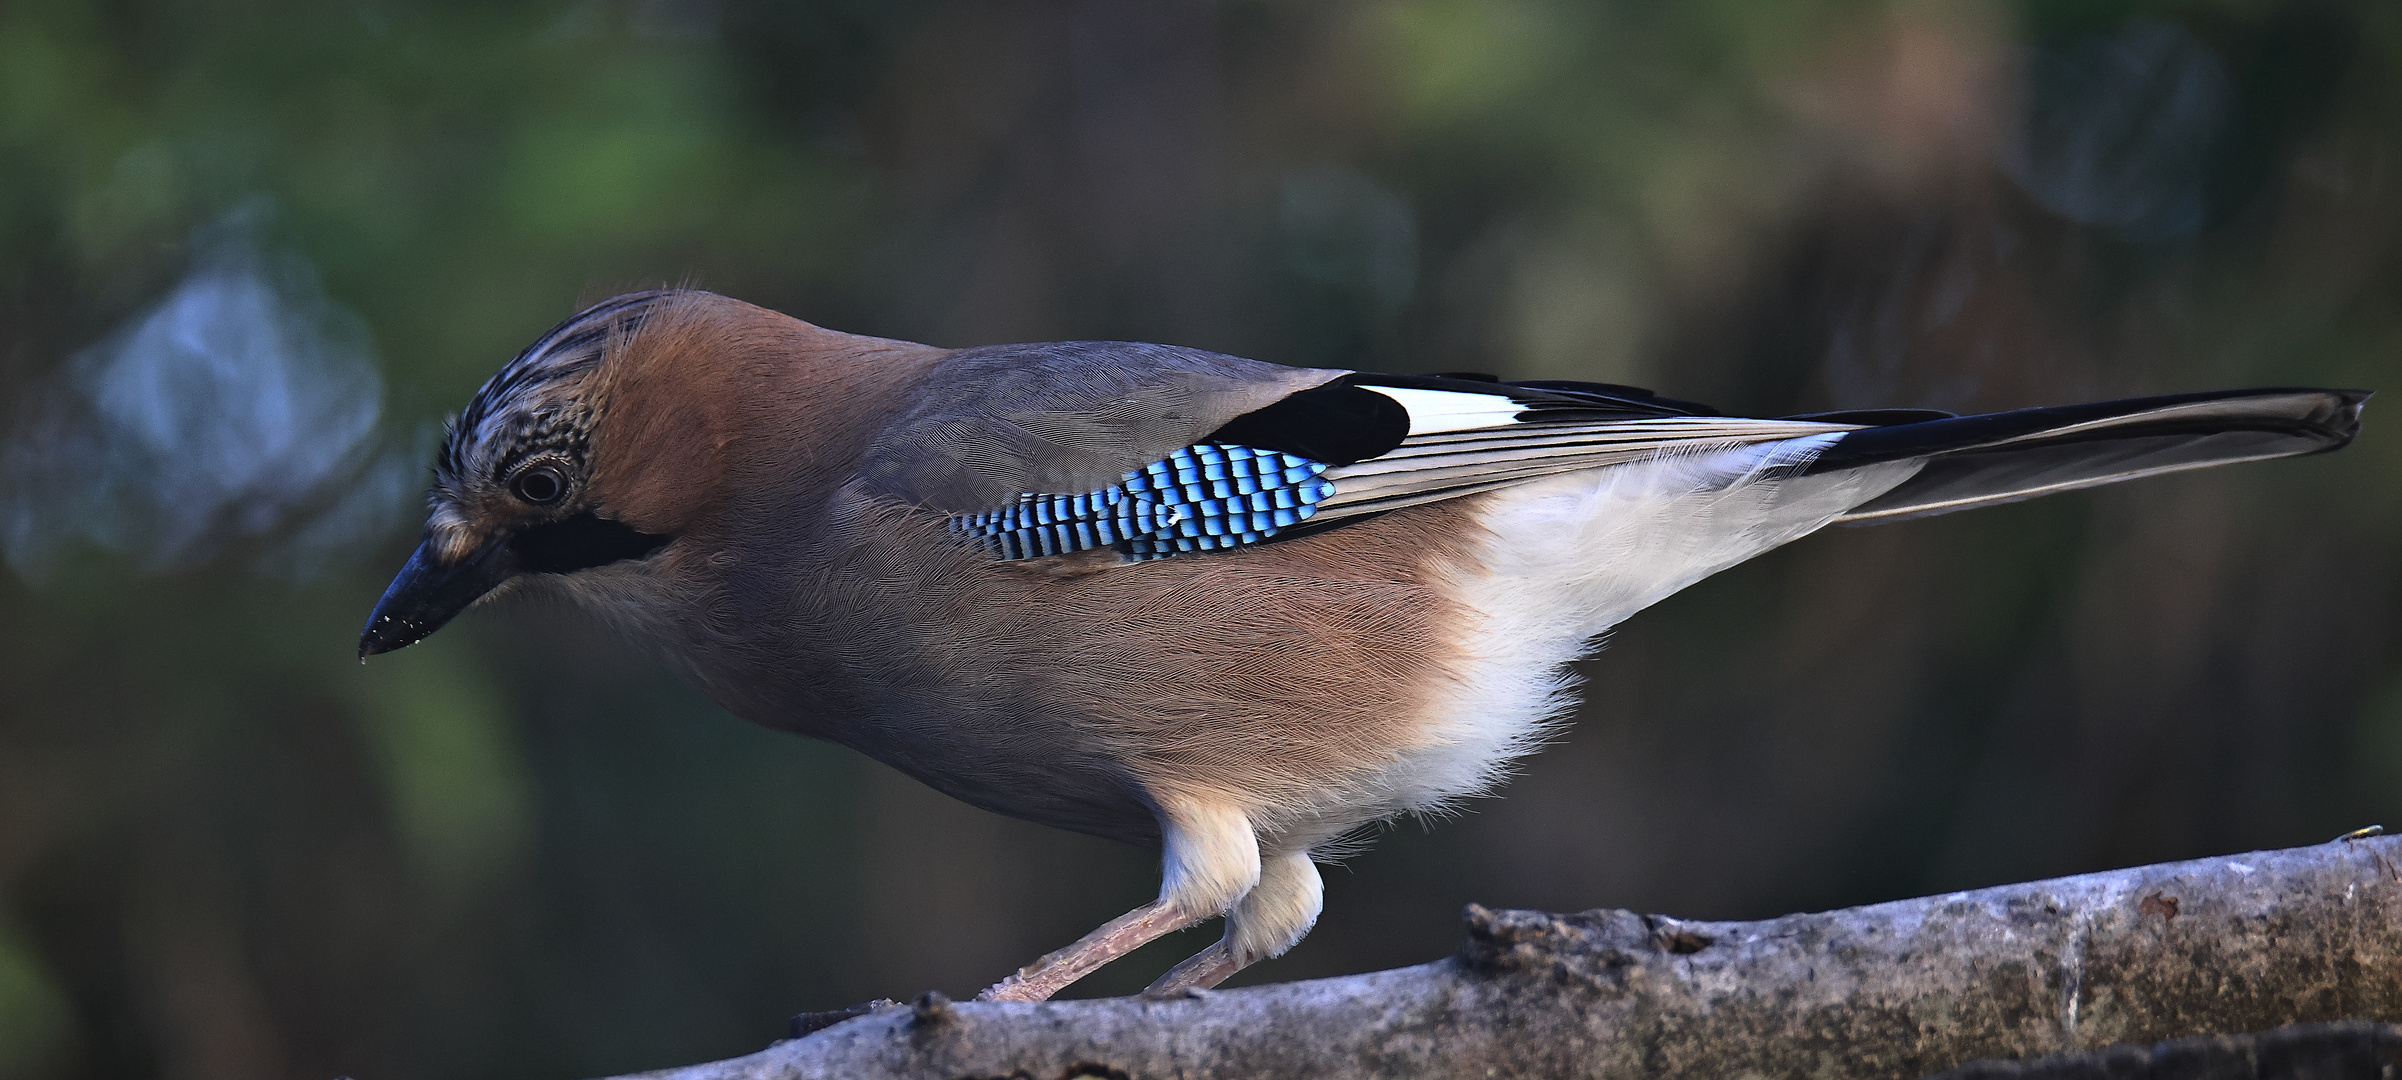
1572	555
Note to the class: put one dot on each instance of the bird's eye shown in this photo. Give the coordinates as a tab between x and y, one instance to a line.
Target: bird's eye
540	484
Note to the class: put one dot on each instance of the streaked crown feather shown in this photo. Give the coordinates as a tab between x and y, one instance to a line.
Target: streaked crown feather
534	404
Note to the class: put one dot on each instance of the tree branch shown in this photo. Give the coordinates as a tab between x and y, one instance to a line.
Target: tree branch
1900	989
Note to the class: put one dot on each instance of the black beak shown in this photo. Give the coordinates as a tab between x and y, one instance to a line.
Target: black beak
427	594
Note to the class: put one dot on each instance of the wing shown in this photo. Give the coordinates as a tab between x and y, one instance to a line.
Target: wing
1356	445
1050	449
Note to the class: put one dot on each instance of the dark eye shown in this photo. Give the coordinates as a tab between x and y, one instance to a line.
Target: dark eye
540	484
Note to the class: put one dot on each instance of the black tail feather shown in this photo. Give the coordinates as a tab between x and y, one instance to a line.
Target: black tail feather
2004	457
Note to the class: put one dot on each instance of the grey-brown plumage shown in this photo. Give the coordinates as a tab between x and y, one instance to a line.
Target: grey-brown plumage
1352	596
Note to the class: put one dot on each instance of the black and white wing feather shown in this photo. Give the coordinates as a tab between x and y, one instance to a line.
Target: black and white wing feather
1465	437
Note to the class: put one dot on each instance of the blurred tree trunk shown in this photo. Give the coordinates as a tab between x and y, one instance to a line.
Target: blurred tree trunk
1900	989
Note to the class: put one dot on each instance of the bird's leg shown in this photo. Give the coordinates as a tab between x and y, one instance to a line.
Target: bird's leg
1210	860
1272	917
1117	937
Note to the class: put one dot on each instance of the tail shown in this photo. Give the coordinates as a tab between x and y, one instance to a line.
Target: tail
2004	457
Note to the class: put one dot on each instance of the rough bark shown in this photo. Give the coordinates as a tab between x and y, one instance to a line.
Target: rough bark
1900	989
2345	1051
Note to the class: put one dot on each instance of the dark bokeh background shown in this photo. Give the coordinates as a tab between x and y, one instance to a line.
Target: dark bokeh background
253	251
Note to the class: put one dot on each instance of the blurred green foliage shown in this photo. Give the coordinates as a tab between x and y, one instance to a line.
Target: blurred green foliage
452	775
520	849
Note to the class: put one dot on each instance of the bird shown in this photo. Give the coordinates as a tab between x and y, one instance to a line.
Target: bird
1234	609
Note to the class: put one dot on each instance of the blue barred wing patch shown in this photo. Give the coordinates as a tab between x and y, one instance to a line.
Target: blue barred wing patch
1201	498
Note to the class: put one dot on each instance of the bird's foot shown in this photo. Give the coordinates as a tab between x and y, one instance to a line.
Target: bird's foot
1200	971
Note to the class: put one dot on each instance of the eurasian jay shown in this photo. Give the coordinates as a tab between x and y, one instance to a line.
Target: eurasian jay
1234	609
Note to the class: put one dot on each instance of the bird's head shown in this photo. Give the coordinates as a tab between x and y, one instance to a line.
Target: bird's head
569	460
